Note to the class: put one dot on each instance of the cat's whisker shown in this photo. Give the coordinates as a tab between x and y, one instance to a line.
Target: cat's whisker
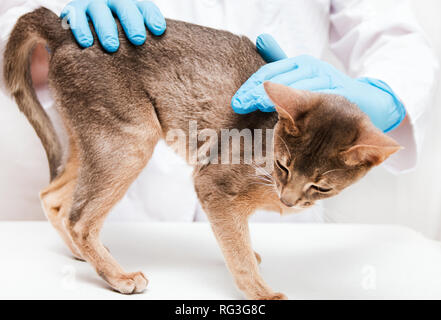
263	183
329	219
286	145
261	170
333	216
330	171
267	175
261	177
262	173
260	183
325	218
264	178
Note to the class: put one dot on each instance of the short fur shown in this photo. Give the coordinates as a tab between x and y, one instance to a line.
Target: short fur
116	107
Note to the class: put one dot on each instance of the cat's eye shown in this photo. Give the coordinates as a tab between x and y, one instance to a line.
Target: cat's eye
282	167
321	189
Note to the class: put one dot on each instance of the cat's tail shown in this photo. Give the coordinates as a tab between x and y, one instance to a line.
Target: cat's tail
40	26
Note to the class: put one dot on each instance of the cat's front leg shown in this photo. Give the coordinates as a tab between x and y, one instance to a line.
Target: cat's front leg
232	234
228	206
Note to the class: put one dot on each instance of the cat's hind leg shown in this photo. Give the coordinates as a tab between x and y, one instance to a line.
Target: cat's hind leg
56	199
112	157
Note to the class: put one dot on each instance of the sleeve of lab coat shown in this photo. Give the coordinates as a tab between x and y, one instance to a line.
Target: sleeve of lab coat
10	11
382	39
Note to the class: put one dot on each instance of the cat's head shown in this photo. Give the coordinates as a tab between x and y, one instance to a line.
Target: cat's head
322	144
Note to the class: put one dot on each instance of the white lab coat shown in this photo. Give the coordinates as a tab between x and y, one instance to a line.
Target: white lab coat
379	39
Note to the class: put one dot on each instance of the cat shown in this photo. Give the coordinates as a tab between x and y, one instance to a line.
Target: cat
116	107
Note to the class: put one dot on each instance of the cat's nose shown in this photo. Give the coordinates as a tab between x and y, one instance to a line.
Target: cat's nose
287	203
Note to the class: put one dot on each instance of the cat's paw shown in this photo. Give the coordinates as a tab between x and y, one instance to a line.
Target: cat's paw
275	296
134	282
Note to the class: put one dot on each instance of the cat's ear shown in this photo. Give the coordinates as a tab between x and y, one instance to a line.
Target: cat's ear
371	148
290	103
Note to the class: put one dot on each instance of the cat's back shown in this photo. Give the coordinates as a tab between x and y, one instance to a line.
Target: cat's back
189	73
184	47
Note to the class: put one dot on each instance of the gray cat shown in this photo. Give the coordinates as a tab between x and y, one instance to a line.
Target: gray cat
116	107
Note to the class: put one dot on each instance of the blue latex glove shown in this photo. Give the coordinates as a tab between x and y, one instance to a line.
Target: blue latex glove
374	97
131	13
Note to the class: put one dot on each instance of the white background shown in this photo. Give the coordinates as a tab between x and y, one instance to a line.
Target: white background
304	261
412	199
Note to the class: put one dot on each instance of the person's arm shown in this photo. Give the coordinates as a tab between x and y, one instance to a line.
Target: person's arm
382	40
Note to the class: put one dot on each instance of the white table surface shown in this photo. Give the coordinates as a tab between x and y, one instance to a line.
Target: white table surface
182	261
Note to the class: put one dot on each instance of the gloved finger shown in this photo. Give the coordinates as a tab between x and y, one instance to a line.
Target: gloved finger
257	97
239	109
253	90
252	100
105	25
392	116
131	20
336	91
78	23
385	120
265	104
319	84
269	49
300	73
153	17
267	72
66	10
376	116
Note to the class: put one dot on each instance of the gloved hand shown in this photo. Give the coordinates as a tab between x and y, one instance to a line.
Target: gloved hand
131	13
374	97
